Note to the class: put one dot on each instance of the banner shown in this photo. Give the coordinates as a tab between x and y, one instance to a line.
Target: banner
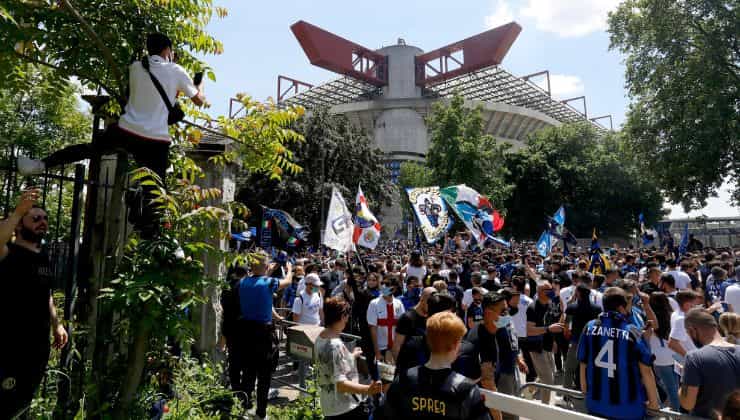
367	227
475	211
339	227
431	212
288	230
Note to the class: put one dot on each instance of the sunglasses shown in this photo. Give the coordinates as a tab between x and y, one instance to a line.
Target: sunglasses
38	218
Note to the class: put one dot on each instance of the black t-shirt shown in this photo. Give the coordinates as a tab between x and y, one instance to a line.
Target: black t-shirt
508	349
536	313
423	393
582	312
414	350
478	346
24	305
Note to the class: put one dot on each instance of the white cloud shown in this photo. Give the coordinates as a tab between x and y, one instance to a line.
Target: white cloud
562	86
568	18
501	15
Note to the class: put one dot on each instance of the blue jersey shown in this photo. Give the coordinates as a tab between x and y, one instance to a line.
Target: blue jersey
612	349
255	298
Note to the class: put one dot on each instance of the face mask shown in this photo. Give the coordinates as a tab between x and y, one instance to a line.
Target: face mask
503	321
477	302
550	294
386	291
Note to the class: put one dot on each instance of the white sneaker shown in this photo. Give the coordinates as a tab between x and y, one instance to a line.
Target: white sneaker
28	166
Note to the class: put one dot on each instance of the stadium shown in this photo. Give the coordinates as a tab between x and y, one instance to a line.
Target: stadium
389	92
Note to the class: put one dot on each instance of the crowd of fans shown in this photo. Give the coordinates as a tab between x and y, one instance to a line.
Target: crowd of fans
653	330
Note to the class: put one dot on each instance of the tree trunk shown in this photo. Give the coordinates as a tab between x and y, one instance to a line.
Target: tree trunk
134	366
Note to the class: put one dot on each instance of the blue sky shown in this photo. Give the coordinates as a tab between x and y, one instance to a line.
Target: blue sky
566	37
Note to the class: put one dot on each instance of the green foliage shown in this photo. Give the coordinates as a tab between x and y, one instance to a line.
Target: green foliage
191	390
683	75
415	175
461	153
334	154
594	176
94	40
305	407
262	135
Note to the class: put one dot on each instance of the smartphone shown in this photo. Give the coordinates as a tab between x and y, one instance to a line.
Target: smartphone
198	78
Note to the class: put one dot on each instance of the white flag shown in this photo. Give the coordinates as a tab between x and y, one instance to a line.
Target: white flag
367	228
339	227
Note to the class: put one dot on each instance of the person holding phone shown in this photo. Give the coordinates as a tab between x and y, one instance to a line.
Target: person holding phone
142	130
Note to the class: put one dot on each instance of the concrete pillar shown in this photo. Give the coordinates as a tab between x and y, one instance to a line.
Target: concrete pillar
209	314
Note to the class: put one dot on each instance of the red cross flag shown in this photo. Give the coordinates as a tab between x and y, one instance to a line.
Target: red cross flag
367	228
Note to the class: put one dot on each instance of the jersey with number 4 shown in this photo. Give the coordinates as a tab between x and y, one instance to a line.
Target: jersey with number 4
612	350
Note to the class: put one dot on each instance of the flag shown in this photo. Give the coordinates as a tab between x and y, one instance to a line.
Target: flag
338	227
648	235
599	263
288	230
559	216
431	212
544	245
266	228
474	210
684	245
367	228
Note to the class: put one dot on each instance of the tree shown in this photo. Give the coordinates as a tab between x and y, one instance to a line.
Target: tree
461	153
591	174
683	73
94	40
334	153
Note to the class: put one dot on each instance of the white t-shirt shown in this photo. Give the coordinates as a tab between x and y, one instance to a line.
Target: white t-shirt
674	304
335	364
308	306
683	281
663	354
520	318
468	296
565	295
146	113
732	297
379	316
678	331
418	272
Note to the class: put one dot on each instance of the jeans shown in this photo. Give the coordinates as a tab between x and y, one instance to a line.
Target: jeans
669	382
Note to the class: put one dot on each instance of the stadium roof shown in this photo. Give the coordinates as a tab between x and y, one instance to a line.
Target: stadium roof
491	84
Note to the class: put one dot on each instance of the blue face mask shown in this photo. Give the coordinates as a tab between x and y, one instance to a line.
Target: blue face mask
551	294
503	321
386	291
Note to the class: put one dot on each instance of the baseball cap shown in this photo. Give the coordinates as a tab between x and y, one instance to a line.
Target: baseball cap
314	279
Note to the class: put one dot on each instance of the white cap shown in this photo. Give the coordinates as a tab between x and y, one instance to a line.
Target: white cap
314	279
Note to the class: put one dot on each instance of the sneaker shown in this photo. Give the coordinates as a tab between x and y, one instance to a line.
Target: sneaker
28	166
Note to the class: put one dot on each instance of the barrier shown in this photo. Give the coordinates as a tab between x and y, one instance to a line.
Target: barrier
572	393
529	408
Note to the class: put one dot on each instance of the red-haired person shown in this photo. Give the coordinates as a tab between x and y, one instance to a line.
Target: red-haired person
434	390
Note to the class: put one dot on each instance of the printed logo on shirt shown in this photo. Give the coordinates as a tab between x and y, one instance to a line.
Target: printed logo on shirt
428	405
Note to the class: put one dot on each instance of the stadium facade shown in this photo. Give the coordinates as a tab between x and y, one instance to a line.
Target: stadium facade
389	92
